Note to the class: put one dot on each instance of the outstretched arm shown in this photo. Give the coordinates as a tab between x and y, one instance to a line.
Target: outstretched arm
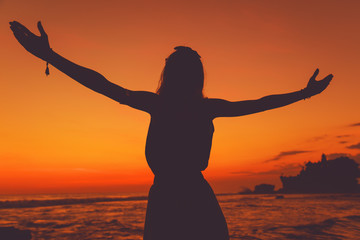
223	108
39	47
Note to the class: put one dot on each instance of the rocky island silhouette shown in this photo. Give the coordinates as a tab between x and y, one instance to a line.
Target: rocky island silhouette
326	176
339	175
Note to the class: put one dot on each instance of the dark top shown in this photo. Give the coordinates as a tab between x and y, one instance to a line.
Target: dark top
179	137
180	132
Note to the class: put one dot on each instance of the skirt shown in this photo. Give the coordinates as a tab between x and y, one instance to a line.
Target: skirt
183	208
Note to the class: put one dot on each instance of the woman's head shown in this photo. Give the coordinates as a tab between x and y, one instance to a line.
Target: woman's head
183	75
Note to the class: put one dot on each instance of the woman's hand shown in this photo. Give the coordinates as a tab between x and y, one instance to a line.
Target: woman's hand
315	87
36	45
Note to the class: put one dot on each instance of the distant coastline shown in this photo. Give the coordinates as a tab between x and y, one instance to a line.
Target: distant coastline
64	201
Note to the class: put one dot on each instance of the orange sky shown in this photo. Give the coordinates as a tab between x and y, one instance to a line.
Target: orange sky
57	136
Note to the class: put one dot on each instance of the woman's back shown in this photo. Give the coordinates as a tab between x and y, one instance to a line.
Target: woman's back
179	137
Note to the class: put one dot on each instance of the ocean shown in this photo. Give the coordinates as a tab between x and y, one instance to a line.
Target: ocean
115	216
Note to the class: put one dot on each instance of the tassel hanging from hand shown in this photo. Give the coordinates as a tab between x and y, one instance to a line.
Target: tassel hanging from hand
47	72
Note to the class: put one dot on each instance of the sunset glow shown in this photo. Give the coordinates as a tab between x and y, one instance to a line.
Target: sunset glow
59	137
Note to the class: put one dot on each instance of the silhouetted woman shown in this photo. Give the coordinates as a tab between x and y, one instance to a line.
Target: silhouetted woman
181	203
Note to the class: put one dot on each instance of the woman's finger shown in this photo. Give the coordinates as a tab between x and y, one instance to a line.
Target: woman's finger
330	76
16	30
22	28
41	29
314	75
22	38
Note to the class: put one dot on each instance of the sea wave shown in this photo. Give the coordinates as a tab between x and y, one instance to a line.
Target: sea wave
331	228
250	217
113	224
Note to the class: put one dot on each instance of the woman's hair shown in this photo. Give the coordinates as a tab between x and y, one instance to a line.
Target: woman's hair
183	75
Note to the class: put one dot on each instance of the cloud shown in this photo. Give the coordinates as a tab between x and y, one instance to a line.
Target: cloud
318	138
332	156
343	136
337	155
355	146
243	173
343	142
55	170
356	158
355	124
283	169
291	168
285	154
